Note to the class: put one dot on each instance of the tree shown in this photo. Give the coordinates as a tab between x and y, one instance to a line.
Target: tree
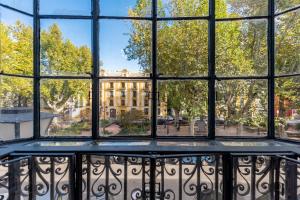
58	56
16	57
183	51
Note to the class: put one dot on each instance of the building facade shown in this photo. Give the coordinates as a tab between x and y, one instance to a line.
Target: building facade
118	96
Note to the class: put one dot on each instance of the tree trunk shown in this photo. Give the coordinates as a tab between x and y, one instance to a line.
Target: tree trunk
177	118
281	107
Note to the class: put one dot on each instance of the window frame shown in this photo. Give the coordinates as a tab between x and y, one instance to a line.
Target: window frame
211	77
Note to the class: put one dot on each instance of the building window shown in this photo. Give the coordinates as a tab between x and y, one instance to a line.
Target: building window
111	84
123	84
133	102
146	86
146	111
146	102
111	102
123	94
134	85
134	94
122	102
111	93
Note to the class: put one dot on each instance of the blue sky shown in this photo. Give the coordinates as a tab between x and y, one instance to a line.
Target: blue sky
114	34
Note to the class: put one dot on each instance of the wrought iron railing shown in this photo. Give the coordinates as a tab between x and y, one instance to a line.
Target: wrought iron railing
137	177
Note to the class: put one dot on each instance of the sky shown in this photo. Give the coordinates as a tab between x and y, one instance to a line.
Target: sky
114	34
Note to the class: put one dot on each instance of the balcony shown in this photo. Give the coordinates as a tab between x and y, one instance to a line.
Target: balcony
175	170
212	108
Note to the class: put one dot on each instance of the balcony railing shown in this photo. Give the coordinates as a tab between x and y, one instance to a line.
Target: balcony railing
136	177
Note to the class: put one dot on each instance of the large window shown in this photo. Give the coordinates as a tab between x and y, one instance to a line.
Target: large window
152	68
287	70
16	70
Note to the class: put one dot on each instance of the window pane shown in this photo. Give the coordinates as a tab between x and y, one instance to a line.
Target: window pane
241	48
65	7
16	43
65	107
183	48
182	108
16	114
125	48
288	43
287	107
124	114
282	5
23	5
63	50
241	8
241	108
182	8
132	8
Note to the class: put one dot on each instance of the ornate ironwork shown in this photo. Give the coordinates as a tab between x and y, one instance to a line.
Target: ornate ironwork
128	177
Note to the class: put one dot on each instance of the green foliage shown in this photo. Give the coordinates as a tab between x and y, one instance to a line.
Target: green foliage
58	56
133	122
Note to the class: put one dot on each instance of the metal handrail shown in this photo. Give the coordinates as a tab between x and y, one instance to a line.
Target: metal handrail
289	159
15	160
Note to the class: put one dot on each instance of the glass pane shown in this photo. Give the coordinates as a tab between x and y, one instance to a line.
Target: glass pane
241	48
183	48
16	43
241	8
63	50
125	48
65	107
131	8
287	107
23	5
182	108
16	114
282	5
182	8
241	108
288	43
65	7
125	107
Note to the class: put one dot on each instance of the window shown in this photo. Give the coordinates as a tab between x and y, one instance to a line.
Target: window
16	42
287	40
111	102
134	85
190	38
111	85
244	51
287	107
146	86
62	51
203	82
146	102
123	94
243	112
187	101
122	102
22	5
146	111
65	108
133	102
134	94
116	48
123	85
16	110
65	7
